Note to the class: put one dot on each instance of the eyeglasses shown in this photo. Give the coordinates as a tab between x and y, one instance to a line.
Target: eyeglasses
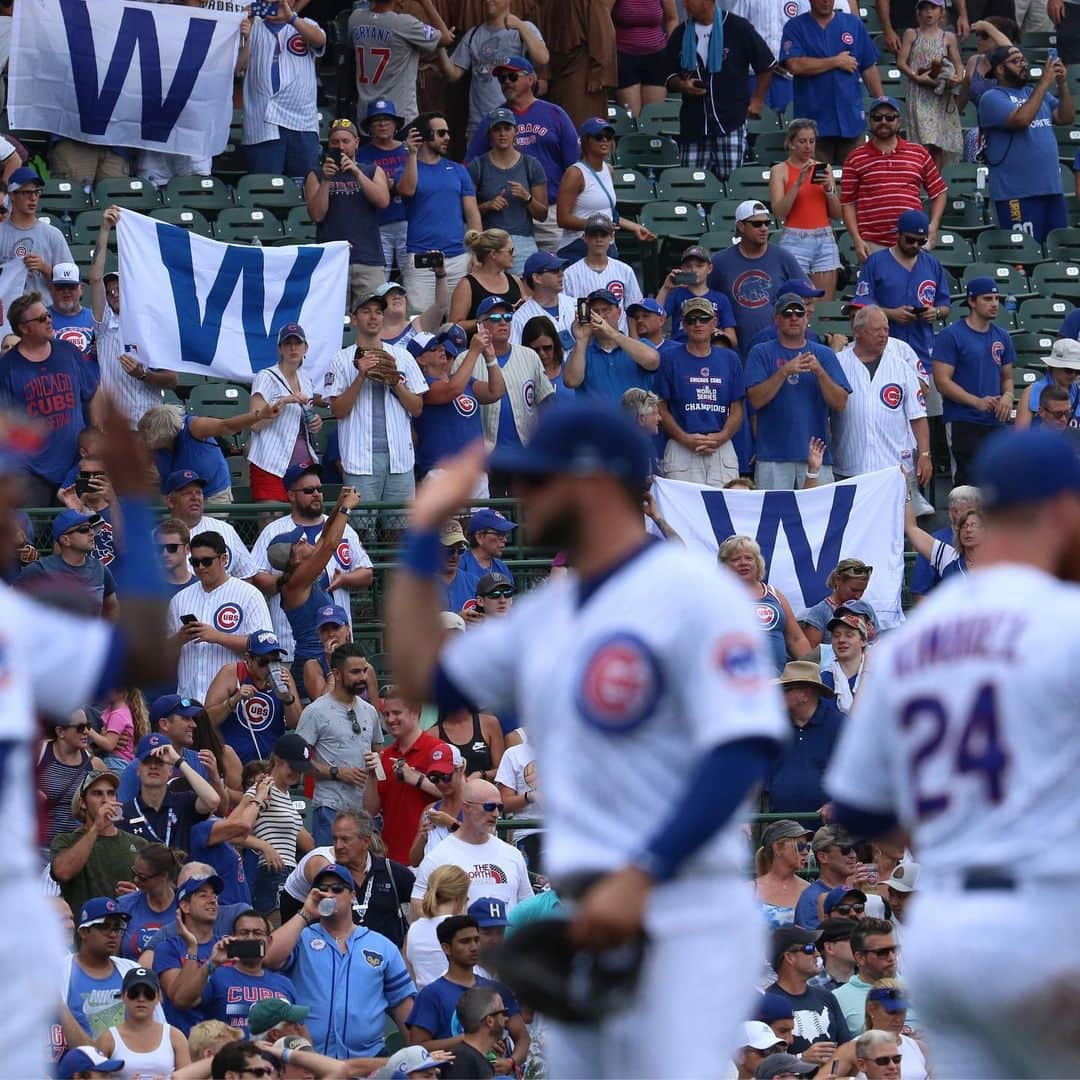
172	549
147	993
697	320
146	877
891	1059
757	224
793	312
501	593
809	949
341	124
39	318
496	1012
508	76
1057	414
488	807
846	909
66	285
885	950
309	490
885	118
79	529
357	727
440	777
802	845
204	562
79	727
917	240
845	849
499	317
259	1070
442	133
335	889
112	926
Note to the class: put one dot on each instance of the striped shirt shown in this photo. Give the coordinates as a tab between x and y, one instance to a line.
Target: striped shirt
354	430
279	825
271	447
883	186
874	428
281	59
234	607
580	279
350	555
238	560
133	397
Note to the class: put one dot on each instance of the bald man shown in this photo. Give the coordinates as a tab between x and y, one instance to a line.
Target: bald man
495	868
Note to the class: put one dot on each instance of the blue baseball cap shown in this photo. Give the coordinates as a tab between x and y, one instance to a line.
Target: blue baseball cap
294	472
981	286
1016	468
263	643
539	261
174	705
490	303
291	329
581	439
773	1007
67	520
595	125
331	615
488	911
96	911
149	743
279	551
81	1059
515	63
606	295
486	518
799	288
380	107
838	895
23	177
646	304
193	885
914	223
180	478
388	287
454	334
421	343
891	998
501	116
882	102
338	871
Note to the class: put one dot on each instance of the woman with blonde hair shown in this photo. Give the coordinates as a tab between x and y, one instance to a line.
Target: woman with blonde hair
742	555
782	855
493	256
848	581
447	894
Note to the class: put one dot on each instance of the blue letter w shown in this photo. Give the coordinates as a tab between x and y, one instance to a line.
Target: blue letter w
136	28
781	507
200	329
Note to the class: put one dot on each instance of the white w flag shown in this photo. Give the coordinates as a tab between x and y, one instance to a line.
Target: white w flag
120	73
804	534
215	309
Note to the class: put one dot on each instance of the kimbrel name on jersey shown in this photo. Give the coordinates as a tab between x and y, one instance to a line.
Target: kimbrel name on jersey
980	637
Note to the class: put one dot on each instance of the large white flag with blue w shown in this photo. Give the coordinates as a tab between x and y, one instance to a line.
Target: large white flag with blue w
804	534
154	76
215	309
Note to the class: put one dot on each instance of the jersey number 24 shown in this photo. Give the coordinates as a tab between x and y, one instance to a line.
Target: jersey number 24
979	751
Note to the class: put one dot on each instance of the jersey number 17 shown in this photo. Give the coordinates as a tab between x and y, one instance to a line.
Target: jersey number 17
371	60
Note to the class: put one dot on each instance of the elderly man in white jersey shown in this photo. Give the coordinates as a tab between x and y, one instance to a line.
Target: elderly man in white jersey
884	422
211	619
965	739
611	685
184	496
124	373
373	403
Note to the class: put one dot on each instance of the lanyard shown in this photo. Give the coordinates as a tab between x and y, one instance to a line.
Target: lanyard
361	907
170	822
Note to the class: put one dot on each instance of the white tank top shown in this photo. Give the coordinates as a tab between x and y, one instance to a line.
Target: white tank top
158	1062
296	884
597	197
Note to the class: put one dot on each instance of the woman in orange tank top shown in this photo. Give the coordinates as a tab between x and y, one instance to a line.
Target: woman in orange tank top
806	206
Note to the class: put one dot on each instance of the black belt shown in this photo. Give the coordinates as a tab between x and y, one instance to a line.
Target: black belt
987	879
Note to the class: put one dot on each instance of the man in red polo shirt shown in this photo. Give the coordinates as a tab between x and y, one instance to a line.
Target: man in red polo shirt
883	178
402	796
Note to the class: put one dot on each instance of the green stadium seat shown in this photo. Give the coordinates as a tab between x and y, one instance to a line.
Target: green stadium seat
85	228
770	147
1010	281
832	310
1004	318
127	191
1063	244
690	185
620	120
240	477
964	215
243	224
1039	315
660	118
952	250
749	182
64	197
299	228
236	127
1033	346
1068	142
191	220
717	239
269	192
1038	39
673	219
962	178
768	121
217	394
207	194
633	189
1059	279
1009	246
644	151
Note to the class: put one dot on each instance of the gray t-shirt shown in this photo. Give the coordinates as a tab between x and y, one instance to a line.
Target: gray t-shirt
387	48
478	52
326	726
40	239
490	181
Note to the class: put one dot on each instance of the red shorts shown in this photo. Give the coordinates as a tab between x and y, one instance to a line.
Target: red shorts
266	487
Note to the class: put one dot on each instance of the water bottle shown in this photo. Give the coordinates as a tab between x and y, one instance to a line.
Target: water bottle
327	906
1010	303
309	414
255	241
277	679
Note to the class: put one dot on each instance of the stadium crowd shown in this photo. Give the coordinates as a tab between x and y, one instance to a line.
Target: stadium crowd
765	229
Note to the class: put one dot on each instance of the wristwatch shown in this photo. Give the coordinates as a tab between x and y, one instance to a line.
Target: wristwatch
333	772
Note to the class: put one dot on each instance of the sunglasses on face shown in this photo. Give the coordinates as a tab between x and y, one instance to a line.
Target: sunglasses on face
309	490
440	777
501	593
172	549
886	118
847	909
496	1012
845	849
39	318
442	133
145	992
757	224
697	320
204	562
81	728
508	76
260	1070
917	240
488	807
79	529
809	949
793	312
499	317
892	1059
885	950
337	890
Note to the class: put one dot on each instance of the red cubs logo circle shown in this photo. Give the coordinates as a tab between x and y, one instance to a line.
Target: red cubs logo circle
738	657
258	711
768	616
528	395
469	605
21	251
927	293
847	39
297	46
619	685
920	397
791	9
75	335
892	395
751	289
920	370
466	405
228	617
617	289
344	555
997	352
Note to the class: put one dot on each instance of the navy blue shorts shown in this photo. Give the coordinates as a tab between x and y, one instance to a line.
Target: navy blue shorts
1036	215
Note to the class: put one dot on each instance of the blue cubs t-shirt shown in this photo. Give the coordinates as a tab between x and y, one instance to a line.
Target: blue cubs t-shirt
434	212
201	456
78	330
169	955
230	994
442	430
225	860
699	390
1023	161
144	924
798	412
884	281
750	284
677	297
435	1005
976	358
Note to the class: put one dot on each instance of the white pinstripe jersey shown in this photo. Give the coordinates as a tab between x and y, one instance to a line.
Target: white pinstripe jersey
132	396
874	428
234	607
238	560
271	447
294	105
580	279
350	555
530	309
354	430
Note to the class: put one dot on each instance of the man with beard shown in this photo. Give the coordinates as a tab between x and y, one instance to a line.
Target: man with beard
622	856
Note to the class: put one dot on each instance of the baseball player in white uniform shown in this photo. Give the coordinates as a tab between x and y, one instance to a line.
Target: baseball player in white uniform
225	609
965	735
653	720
